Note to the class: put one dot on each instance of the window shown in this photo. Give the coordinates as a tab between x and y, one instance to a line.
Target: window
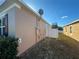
4	25
70	29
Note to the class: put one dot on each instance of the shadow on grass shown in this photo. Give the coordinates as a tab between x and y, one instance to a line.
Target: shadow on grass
68	40
28	52
63	47
72	43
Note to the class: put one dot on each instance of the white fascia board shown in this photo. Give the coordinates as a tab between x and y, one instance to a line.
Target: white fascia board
27	6
4	11
36	13
75	21
72	22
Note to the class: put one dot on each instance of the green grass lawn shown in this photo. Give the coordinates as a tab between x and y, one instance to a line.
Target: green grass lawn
51	48
72	43
68	40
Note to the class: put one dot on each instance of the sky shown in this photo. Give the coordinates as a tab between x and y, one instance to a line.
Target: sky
1	2
61	12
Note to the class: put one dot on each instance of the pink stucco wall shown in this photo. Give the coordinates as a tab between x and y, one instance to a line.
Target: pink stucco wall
25	29
22	24
25	23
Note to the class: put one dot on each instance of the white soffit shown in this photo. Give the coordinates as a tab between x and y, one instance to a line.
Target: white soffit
4	11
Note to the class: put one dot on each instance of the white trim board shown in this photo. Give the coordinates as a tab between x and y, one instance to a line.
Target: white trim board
4	11
72	22
31	9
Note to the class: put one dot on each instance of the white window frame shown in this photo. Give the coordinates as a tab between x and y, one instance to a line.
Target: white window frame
1	18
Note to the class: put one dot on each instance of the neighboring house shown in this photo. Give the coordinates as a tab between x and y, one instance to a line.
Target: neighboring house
20	21
72	29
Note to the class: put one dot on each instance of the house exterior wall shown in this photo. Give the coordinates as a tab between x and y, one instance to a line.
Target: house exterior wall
66	30
11	22
25	23
22	24
41	31
75	31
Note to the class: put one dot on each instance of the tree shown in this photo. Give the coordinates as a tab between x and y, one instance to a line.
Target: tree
54	25
60	28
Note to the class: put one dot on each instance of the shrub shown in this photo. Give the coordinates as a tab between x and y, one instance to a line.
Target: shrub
8	47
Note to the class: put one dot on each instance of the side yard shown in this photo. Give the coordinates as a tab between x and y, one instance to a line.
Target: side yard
50	48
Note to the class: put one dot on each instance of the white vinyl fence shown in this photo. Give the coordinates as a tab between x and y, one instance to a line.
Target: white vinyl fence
53	33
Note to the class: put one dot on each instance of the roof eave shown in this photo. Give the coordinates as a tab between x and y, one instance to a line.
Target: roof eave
72	22
32	10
